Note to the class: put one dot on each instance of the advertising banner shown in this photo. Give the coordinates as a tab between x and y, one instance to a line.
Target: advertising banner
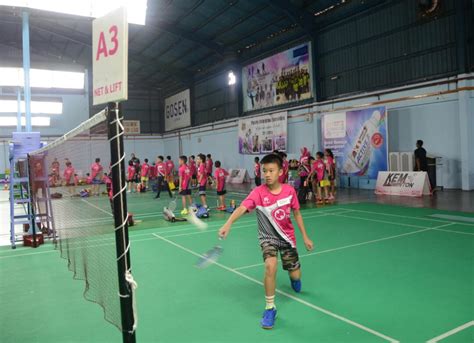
358	140
178	111
414	184
263	134
278	79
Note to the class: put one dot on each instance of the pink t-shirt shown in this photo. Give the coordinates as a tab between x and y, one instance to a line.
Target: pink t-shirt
192	167
202	175
131	172
209	166
284	176
96	168
69	174
220	175
161	169
330	165
144	170
169	167
273	213
257	170
185	175
318	167
304	166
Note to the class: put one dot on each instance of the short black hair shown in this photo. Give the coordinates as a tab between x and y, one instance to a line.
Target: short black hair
256	159
192	156
320	154
160	158
130	163
208	155
97	160
146	160
419	142
184	158
168	157
329	151
202	157
273	158
217	164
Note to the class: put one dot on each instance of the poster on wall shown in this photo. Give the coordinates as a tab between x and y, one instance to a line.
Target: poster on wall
358	140
131	127
178	111
263	134
279	79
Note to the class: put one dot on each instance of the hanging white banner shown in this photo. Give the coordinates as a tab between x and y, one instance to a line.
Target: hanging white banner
178	111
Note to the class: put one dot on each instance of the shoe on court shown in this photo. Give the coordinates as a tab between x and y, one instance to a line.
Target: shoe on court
221	208
296	285
184	212
268	319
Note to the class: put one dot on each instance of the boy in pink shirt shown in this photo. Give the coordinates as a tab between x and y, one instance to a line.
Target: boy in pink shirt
69	177
144	170
193	169
318	172
161	177
131	176
96	176
170	168
184	178
202	178
209	165
220	175
274	202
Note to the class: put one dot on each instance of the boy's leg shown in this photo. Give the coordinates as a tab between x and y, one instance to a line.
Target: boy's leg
270	253
183	201
291	263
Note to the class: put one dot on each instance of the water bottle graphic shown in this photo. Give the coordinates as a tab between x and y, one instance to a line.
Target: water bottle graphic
359	156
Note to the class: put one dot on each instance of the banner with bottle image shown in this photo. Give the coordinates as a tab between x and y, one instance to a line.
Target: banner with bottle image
263	134
358	140
279	79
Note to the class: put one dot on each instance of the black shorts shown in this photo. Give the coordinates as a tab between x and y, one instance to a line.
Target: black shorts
202	190
289	256
221	192
185	192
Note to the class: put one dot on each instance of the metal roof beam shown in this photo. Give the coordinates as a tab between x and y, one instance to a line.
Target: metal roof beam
296	14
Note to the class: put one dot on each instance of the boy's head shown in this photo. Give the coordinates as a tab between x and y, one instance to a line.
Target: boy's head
328	152
168	158
217	164
130	163
201	158
419	143
183	160
272	168
319	155
68	164
160	158
146	160
97	160
283	155
256	159
191	158
208	155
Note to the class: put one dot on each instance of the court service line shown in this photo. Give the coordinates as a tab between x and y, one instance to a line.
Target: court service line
418	218
436	228
343	247
191	227
299	300
451	332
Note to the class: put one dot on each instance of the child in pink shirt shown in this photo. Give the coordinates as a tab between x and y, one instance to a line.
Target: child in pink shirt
257	172
131	176
144	173
273	203
331	168
184	178
69	177
220	175
170	169
202	178
96	176
318	173
193	169
209	165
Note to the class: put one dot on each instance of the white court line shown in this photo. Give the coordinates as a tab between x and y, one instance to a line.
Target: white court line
451	332
348	246
301	301
419	218
436	228
189	227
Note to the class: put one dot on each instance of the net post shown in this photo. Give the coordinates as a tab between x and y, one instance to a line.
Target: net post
119	201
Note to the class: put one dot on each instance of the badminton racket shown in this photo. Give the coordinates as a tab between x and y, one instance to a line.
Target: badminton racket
210	257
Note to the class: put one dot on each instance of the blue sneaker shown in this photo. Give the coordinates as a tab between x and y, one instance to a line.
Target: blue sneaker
296	285
268	319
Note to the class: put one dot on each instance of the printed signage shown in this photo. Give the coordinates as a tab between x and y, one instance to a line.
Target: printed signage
131	127
413	184
178	111
110	57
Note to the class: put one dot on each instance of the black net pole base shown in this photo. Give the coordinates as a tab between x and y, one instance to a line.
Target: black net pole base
119	201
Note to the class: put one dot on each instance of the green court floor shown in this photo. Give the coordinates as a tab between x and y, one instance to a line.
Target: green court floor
378	273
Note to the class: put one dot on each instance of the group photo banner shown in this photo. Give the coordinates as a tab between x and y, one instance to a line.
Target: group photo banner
178	111
263	134
358	140
279	79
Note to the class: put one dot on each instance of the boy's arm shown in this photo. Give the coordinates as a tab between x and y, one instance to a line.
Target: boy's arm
239	212
299	221
180	182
